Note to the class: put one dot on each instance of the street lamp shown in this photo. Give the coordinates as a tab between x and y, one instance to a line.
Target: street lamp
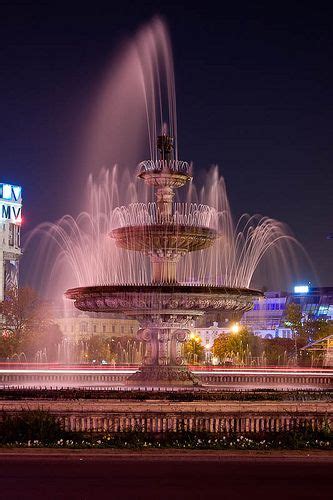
235	328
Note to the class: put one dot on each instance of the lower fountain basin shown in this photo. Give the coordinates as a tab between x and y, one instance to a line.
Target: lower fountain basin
161	299
165	313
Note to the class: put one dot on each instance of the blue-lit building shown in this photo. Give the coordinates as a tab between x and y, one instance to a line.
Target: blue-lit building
266	319
316	302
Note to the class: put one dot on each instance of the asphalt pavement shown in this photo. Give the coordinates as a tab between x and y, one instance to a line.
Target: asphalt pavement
169	476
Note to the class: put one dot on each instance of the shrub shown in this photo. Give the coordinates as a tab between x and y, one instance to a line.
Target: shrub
29	425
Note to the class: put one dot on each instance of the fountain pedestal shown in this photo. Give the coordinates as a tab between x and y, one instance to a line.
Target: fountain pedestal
149	375
164	363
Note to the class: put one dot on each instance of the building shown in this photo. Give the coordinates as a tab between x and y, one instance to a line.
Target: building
81	325
267	316
210	333
315	302
10	237
267	312
221	317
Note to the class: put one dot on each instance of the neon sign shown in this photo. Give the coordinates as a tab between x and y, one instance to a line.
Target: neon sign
10	203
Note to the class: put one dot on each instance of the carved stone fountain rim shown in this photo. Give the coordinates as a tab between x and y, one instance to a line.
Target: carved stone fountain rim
162	289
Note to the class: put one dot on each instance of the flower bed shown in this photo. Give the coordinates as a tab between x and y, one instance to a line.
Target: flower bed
193	441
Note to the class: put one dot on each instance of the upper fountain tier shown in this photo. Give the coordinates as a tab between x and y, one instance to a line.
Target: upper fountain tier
166	231
165	174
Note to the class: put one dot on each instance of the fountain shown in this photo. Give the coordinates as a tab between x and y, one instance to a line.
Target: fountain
165	262
164	231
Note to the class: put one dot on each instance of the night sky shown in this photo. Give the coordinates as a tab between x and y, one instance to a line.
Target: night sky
254	95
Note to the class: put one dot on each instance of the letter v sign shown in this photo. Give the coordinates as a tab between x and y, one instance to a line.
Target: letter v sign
16	192
16	212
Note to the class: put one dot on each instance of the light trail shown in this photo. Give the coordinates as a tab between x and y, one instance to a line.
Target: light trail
122	371
268	373
77	372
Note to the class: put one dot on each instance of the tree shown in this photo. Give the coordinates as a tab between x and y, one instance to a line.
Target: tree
25	321
98	348
293	319
277	350
50	339
316	329
193	349
220	347
240	347
305	331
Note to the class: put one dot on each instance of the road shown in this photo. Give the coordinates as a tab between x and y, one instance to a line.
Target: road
164	476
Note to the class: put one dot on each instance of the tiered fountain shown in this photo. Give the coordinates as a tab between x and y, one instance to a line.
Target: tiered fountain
164	231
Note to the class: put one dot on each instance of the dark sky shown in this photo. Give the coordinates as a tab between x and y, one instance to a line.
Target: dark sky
254	94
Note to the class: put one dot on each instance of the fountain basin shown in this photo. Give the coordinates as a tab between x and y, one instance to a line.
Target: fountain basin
161	299
164	238
165	313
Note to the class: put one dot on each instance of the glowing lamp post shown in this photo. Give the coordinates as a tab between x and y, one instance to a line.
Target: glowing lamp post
235	328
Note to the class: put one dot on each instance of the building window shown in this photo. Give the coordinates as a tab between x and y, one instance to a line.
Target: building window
113	329
18	236
83	327
122	329
11	235
95	328
104	328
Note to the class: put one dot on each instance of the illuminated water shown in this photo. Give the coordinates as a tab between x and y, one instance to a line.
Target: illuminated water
80	252
135	104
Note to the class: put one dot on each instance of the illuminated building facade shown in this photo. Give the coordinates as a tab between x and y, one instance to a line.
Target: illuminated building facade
77	327
315	302
210	333
267	318
10	238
